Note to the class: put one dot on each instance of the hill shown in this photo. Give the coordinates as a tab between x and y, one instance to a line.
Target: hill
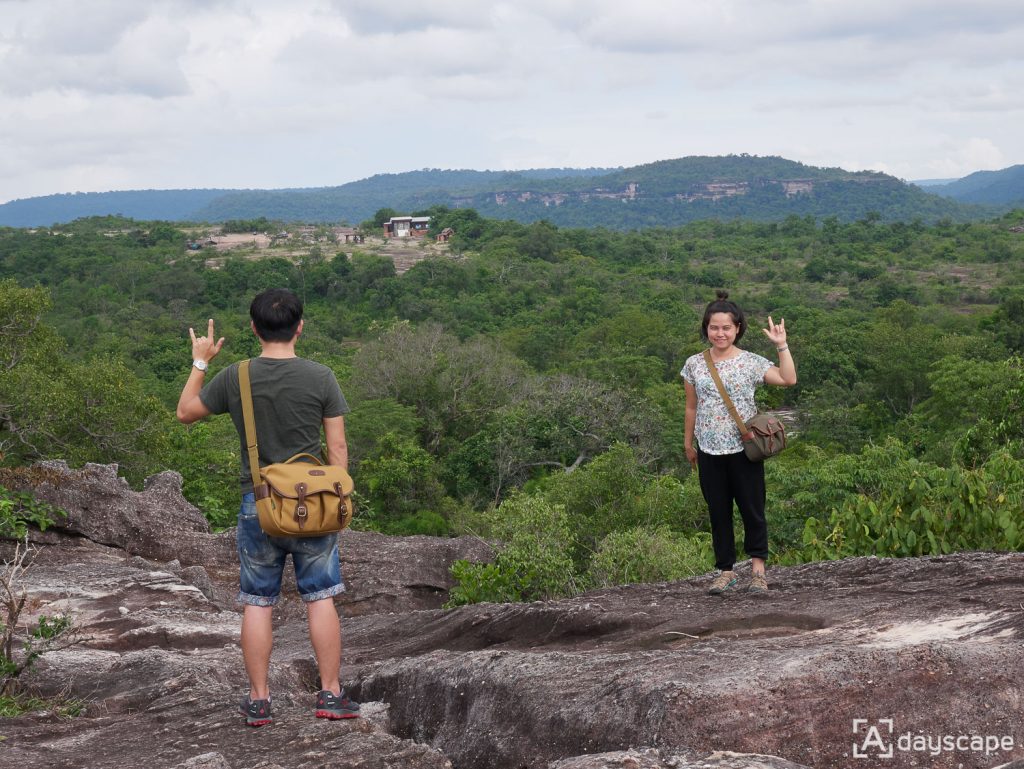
665	193
354	202
1005	187
170	205
676	192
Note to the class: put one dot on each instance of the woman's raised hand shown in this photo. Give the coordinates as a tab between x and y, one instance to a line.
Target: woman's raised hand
776	331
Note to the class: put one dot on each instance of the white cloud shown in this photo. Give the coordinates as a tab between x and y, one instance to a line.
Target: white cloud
113	93
67	28
732	26
397	16
341	60
111	53
976	154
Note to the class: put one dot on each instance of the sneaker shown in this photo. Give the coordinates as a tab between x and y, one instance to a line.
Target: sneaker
758	584
722	582
256	712
335	706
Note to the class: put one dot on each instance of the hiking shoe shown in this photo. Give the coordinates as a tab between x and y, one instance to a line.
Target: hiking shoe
256	712
335	706
758	584
722	582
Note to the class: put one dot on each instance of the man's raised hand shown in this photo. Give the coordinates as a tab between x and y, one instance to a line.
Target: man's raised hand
204	347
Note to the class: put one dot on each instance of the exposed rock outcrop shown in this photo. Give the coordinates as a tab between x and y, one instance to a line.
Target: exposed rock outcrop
932	643
638	677
382	573
159	671
156	523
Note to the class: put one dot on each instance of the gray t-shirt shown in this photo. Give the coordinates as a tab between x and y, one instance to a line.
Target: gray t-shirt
290	399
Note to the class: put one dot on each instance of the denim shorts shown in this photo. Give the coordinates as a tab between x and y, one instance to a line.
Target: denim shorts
262	558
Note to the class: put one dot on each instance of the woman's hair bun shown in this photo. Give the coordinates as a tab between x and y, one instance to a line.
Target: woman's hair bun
722	294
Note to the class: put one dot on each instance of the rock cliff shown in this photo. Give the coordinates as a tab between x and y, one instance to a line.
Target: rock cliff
838	660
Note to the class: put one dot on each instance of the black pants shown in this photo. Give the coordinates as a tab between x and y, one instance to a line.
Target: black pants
723	479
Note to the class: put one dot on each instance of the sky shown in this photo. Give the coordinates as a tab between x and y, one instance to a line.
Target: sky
102	95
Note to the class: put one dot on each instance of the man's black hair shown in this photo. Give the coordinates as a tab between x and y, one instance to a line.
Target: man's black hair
722	304
276	313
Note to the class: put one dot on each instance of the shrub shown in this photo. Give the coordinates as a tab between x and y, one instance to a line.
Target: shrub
20	650
550	534
649	555
534	563
19	509
937	511
615	492
805	481
424	522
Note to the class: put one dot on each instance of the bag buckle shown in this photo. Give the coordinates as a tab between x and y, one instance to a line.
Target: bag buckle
341	503
301	511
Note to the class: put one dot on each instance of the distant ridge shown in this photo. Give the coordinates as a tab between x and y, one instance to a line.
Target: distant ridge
931	182
172	205
665	193
1004	187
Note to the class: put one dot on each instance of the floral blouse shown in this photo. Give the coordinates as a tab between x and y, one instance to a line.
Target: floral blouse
715	429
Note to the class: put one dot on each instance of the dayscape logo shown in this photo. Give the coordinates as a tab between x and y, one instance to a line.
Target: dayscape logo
879	739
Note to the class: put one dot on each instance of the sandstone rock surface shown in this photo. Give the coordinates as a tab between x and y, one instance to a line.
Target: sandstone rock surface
639	677
382	573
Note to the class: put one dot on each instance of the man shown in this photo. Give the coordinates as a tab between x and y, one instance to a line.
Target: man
292	398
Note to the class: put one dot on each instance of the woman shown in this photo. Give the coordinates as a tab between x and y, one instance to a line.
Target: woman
725	472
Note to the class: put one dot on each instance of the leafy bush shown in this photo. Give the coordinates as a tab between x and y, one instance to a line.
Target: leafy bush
806	481
609	517
20	509
649	555
534	563
615	492
481	582
937	511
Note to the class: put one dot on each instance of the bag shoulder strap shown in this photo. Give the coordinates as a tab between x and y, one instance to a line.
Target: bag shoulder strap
245	390
721	391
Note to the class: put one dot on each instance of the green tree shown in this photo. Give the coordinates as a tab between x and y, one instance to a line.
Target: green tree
400	480
1007	322
975	408
371	420
898	350
453	386
382	216
24	339
206	455
96	411
92	411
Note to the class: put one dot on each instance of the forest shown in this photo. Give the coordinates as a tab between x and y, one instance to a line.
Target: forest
523	385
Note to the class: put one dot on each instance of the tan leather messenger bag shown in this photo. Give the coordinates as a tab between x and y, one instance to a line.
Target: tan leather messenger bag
300	497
